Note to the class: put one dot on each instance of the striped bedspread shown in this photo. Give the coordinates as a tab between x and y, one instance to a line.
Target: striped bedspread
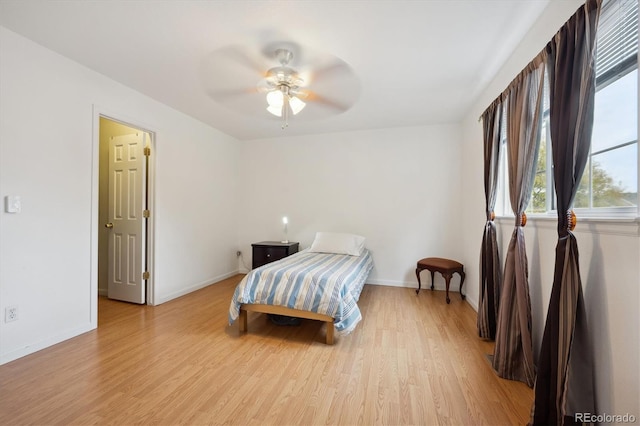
324	283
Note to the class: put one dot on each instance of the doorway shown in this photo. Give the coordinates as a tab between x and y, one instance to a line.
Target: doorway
125	231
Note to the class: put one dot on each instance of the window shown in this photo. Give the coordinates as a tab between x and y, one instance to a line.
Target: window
543	195
610	180
503	205
609	185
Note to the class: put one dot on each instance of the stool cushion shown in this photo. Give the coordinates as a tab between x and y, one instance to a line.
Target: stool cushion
438	262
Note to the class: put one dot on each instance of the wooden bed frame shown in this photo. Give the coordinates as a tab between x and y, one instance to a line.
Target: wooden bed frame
281	310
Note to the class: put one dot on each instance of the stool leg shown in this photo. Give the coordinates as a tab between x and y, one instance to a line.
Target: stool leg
447	280
419	283
462	275
432	273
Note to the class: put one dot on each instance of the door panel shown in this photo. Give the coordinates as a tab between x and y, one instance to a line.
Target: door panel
126	204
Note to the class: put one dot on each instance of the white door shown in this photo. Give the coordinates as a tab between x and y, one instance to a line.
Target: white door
125	220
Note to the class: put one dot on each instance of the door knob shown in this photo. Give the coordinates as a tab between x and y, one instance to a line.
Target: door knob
108	225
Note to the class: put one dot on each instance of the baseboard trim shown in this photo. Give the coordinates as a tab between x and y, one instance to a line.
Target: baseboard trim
455	285
473	303
162	299
45	343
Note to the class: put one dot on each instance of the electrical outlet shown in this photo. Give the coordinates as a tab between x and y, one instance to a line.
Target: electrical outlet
10	313
238	253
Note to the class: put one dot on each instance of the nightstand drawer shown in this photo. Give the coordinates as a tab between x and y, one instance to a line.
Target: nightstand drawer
270	251
265	255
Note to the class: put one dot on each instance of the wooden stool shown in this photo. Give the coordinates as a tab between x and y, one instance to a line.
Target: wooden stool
446	267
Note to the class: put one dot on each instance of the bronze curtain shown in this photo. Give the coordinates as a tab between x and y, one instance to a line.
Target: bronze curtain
490	273
513	352
564	385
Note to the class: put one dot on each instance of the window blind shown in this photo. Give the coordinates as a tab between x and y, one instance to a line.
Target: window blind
617	40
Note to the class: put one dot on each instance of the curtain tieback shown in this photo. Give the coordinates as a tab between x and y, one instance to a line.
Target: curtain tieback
491	216
521	219
572	220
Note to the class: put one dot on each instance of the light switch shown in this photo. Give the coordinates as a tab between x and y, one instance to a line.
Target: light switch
12	204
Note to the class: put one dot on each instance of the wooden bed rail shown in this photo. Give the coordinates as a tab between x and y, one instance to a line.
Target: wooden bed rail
281	310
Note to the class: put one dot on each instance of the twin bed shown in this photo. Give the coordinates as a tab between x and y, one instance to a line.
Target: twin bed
323	283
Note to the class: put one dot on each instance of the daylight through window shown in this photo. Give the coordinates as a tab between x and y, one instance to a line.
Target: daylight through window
609	185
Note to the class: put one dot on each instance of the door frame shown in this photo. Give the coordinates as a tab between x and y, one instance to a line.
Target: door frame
119	117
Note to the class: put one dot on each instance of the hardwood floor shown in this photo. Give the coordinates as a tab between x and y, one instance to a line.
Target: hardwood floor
412	360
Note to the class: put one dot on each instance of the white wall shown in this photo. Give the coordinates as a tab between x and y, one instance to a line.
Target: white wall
397	187
609	251
48	153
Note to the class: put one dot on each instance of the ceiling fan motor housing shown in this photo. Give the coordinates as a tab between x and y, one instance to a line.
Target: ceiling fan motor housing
284	75
284	56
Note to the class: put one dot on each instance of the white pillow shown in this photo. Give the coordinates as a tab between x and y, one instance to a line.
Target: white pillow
339	243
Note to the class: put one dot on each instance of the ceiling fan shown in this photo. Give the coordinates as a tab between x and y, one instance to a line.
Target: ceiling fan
292	78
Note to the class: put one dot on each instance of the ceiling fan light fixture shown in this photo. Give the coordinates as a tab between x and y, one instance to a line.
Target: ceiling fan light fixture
277	111
296	104
281	102
275	99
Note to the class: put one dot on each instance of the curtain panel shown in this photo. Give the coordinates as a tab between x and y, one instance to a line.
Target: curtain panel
513	352
490	270
564	385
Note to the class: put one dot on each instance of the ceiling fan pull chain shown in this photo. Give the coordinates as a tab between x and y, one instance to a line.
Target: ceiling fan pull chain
285	111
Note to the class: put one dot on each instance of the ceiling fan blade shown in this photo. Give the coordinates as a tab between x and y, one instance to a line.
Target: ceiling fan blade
223	94
332	70
265	86
300	93
325	67
244	57
326	102
229	75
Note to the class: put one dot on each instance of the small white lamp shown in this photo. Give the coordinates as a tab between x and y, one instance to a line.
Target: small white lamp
285	221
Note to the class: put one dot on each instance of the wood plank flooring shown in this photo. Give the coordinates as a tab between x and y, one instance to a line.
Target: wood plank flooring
413	360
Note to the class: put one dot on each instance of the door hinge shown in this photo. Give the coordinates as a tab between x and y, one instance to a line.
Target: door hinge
147	151
146	213
146	275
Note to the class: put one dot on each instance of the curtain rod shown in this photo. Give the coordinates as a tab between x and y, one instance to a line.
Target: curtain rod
535	62
538	60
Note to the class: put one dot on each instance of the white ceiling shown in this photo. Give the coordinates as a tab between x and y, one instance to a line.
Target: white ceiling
414	62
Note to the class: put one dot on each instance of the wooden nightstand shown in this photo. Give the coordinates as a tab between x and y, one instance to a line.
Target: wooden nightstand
269	251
